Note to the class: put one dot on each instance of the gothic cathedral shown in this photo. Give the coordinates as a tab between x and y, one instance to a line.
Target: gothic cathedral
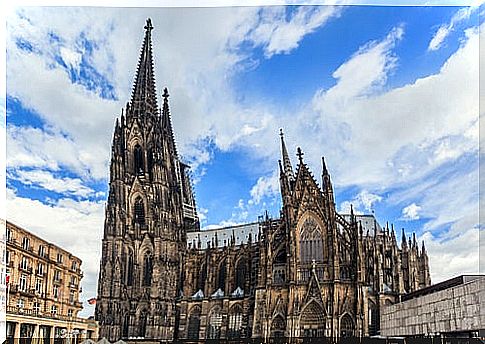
310	273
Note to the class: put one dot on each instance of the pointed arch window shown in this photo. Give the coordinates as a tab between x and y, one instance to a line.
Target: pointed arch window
138	160
240	274
139	211
215	324
129	268
201	277
147	270
221	277
311	242
126	326
142	324
194	324
235	322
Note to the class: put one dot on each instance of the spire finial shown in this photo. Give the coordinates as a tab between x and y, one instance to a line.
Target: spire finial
165	94
287	168
148	25
300	154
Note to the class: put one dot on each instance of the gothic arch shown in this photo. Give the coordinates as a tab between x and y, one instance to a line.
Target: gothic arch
278	326
312	320
201	276
193	326
214	323
311	239
142	322
235	322
240	273
221	275
346	326
138	198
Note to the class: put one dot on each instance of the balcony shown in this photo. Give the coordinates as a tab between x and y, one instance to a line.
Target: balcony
46	315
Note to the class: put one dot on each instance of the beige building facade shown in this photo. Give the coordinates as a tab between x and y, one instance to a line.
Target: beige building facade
43	287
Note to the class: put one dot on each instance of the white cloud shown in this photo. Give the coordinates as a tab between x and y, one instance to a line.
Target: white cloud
46	180
363	202
411	212
277	33
59	223
445	29
266	186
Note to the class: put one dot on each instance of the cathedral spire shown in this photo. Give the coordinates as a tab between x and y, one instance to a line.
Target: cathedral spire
144	96
287	168
167	121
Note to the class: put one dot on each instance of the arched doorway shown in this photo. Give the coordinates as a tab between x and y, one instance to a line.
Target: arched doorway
346	326
278	327
312	320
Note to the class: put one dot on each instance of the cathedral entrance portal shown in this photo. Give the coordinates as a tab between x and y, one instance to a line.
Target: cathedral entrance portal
312	320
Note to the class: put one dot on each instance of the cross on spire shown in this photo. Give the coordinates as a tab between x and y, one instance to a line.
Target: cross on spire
300	154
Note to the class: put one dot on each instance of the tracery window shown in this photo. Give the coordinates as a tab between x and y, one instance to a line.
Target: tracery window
311	242
235	322
139	211
126	326
142	324
215	324
138	160
194	324
201	277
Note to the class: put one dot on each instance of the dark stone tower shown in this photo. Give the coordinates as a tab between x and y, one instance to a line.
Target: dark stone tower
149	210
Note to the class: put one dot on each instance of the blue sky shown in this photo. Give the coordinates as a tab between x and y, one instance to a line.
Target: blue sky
389	95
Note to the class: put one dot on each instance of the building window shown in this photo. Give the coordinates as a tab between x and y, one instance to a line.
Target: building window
24	263
59	258
36	307
139	211
240	274
40	269
129	268
147	270
20	303
38	286
194	324
25	243
71	296
53	309
215	324
23	283
9	235
201	277
42	251
7	257
235	322
55	291
57	275
74	265
69	313
138	157
311	242
221	278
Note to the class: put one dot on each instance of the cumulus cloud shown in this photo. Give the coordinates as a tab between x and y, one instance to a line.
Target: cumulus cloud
363	202
266	186
411	212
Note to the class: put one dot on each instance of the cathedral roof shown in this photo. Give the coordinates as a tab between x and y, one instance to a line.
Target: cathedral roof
241	235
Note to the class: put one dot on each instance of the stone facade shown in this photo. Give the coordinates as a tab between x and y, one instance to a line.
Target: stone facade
311	272
456	306
43	289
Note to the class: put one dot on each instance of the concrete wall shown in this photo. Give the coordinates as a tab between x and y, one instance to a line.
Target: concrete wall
456	309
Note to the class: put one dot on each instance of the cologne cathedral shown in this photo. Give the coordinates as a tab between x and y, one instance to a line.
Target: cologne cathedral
312	272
